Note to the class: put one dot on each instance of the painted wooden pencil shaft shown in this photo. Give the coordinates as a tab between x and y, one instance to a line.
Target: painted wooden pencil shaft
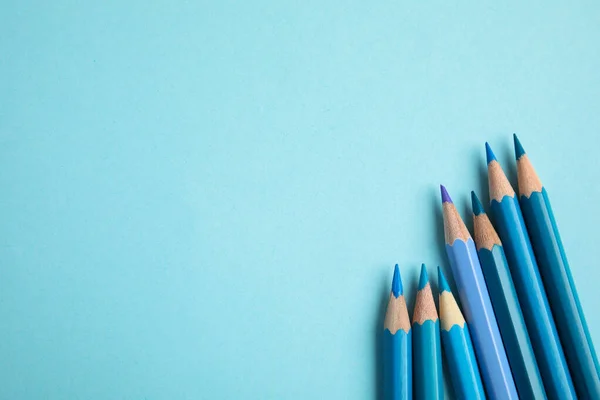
397	345
474	296
528	284
506	306
427	356
397	358
458	348
560	287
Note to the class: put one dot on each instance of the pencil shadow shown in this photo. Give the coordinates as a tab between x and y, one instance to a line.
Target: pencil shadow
377	336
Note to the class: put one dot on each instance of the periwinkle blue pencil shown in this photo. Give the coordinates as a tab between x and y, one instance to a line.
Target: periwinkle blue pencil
506	306
475	299
528	284
558	282
397	345
427	353
458	348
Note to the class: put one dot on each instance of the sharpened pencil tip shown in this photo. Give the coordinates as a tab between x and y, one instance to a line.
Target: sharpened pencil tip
442	282
519	150
424	279
397	282
476	204
489	154
445	196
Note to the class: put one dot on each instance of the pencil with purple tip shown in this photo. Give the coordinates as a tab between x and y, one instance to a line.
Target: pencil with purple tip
475	299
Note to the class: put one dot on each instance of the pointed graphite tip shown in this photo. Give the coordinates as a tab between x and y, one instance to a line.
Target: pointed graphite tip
445	196
424	279
442	282
489	154
476	204
519	151
397	282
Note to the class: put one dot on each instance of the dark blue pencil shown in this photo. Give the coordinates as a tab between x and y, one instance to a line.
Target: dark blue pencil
556	274
397	345
528	283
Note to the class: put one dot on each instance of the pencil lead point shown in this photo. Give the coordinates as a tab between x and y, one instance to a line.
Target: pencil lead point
445	196
397	289
424	279
442	283
519	151
476	205
489	154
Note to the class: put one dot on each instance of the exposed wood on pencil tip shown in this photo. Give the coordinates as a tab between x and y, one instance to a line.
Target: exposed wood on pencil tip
450	314
485	234
454	226
528	180
396	316
498	182
424	306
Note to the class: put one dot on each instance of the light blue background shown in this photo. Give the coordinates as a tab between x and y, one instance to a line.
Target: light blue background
205	200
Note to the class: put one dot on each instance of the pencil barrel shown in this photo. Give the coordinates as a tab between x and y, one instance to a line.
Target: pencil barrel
462	364
397	365
532	297
562	294
511	323
474	296
427	361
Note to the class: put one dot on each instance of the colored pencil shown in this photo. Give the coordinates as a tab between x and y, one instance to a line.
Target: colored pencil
506	306
397	346
458	348
427	353
526	277
475	299
558	282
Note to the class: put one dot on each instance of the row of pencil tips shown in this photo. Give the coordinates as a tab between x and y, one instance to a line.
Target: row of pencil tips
522	332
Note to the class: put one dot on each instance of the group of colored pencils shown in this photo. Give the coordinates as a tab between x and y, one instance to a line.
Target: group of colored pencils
523	333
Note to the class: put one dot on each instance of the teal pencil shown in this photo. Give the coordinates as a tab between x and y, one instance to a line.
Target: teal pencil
397	345
506	306
427	353
528	283
556	274
457	345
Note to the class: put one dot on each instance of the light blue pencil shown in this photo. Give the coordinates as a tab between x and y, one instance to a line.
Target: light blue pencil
397	345
528	283
427	353
558	282
475	299
458	348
